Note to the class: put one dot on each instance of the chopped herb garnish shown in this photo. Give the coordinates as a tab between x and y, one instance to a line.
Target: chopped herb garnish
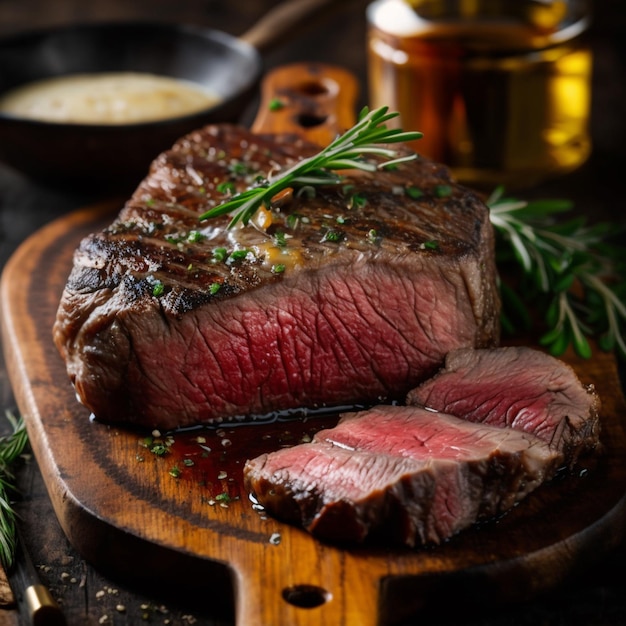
175	471
276	104
357	201
237	255
158	288
292	221
223	497
369	136
431	245
158	448
214	288
332	235
220	254
443	191
340	219
226	187
372	235
195	236
279	239
413	192
239	168
279	268
188	462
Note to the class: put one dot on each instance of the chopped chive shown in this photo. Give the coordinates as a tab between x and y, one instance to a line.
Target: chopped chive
220	254
443	191
226	187
158	288
357	200
280	239
195	236
332	235
413	192
276	104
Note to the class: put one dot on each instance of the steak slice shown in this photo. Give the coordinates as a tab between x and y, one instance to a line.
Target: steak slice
405	474
353	295
518	387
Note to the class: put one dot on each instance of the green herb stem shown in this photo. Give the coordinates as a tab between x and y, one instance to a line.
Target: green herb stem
11	447
574	279
369	136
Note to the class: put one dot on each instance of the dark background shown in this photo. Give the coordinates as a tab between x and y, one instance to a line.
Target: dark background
595	598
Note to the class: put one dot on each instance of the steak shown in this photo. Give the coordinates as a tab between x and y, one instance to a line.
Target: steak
520	388
403	474
353	294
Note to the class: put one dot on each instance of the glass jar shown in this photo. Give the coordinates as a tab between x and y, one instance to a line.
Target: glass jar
500	88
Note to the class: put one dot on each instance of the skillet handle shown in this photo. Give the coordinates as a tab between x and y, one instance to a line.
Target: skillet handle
280	21
311	100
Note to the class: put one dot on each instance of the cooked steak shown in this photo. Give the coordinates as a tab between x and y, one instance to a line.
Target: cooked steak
519	387
405	474
353	295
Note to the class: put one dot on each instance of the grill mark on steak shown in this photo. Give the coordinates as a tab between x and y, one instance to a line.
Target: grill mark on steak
352	321
520	388
406	474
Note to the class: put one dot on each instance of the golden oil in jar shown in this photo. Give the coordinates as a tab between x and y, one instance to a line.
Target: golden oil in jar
500	88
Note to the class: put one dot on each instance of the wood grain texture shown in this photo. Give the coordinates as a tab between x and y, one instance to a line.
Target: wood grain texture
124	511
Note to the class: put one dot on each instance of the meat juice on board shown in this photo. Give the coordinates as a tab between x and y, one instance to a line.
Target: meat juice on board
500	89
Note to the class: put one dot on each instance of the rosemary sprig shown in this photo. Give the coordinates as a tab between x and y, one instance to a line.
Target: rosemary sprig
11	447
575	280
369	136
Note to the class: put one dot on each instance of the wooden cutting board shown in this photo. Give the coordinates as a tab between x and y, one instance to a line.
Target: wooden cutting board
184	516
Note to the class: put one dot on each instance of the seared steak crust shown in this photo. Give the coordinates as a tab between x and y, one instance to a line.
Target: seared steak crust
353	295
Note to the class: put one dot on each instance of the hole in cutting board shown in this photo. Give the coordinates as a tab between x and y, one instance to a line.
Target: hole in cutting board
309	120
306	596
313	90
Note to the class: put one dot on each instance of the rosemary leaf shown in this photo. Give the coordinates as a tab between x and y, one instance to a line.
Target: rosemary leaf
369	136
11	447
575	279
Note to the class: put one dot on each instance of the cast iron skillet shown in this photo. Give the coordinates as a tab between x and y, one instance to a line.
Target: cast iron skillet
118	156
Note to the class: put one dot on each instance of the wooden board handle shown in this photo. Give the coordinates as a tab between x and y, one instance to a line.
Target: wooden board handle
299	582
311	100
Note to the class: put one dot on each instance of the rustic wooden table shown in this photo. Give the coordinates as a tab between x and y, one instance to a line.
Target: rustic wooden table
88	596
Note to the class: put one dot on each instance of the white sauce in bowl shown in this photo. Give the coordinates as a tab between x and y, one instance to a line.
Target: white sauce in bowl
107	98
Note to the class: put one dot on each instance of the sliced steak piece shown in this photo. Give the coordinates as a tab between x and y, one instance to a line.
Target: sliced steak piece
518	387
403	474
353	295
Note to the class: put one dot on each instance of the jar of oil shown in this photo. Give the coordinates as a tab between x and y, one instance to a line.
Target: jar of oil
500	88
